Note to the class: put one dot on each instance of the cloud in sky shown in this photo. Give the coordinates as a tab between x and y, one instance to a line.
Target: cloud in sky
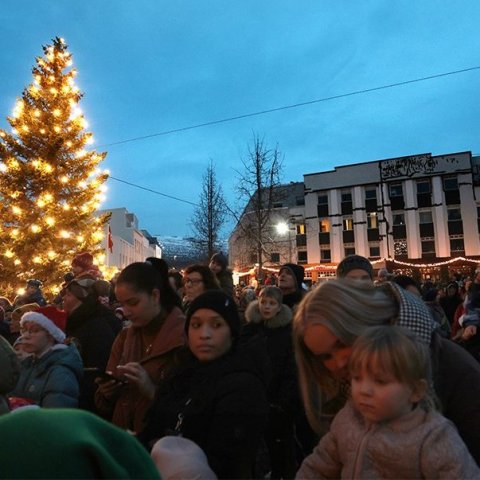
153	66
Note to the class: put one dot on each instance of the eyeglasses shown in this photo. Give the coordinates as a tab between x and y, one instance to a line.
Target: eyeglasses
192	281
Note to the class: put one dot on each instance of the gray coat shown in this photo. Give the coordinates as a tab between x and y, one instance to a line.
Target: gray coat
51	380
416	445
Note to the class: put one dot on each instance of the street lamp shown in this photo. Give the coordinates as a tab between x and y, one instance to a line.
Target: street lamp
283	228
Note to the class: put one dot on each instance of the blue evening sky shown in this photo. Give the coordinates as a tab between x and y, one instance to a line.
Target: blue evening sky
150	66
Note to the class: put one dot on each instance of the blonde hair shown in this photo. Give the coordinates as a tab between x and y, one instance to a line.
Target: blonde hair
347	308
271	292
397	352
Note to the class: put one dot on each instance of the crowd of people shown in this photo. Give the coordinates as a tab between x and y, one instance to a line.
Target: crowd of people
182	375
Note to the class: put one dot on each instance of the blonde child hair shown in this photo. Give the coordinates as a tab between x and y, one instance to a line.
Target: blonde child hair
272	292
395	351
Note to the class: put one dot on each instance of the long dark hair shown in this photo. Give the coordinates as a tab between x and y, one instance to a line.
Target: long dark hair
147	276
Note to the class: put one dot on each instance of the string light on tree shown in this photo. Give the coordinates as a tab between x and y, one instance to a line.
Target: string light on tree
45	177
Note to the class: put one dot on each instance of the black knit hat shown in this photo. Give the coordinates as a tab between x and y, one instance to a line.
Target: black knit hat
353	262
219	302
297	271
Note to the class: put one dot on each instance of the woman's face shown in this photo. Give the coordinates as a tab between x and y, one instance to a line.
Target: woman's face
209	335
193	285
36	340
138	307
328	349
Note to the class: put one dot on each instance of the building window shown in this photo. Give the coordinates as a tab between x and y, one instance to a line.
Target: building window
374	252
324	226
349	251
348	223
454	214
425	217
325	255
347	206
323	200
322	206
396	190
300	201
372	220
428	247
370	193
457	246
275	257
450	183
278	205
398	219
302	257
423	186
300	229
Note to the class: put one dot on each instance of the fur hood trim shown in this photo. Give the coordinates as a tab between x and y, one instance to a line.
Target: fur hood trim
281	319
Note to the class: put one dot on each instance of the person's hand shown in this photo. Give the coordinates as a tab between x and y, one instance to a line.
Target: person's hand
469	332
108	389
138	376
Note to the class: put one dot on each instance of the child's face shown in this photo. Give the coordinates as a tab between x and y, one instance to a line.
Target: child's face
380	397
268	307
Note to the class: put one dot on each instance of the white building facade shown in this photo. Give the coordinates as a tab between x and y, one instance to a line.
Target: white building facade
128	243
417	210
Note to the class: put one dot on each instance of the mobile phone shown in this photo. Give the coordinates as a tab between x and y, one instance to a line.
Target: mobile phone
105	375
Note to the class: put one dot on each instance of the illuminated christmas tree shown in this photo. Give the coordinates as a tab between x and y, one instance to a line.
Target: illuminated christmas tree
50	184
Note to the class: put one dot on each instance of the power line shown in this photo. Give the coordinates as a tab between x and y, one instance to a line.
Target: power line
153	191
287	107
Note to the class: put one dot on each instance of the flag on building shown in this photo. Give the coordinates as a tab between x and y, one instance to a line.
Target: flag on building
110	239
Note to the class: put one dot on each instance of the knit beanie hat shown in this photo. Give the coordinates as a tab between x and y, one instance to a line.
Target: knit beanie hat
48	318
219	302
83	260
82	288
221	259
178	458
297	271
353	262
77	444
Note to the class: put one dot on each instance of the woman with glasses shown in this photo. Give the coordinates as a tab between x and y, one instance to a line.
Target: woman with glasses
50	374
146	350
197	279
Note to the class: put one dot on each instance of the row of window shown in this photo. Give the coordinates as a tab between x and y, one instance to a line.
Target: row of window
395	190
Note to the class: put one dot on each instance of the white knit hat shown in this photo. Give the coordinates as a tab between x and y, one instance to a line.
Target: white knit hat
45	323
178	458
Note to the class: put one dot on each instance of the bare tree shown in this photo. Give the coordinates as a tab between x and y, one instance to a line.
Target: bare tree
210	214
257	189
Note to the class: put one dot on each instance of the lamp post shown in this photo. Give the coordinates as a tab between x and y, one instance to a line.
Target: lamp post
283	228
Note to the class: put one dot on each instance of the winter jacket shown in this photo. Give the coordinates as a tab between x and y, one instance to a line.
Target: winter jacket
416	445
9	371
93	327
220	405
51	380
129	409
69	443
277	334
